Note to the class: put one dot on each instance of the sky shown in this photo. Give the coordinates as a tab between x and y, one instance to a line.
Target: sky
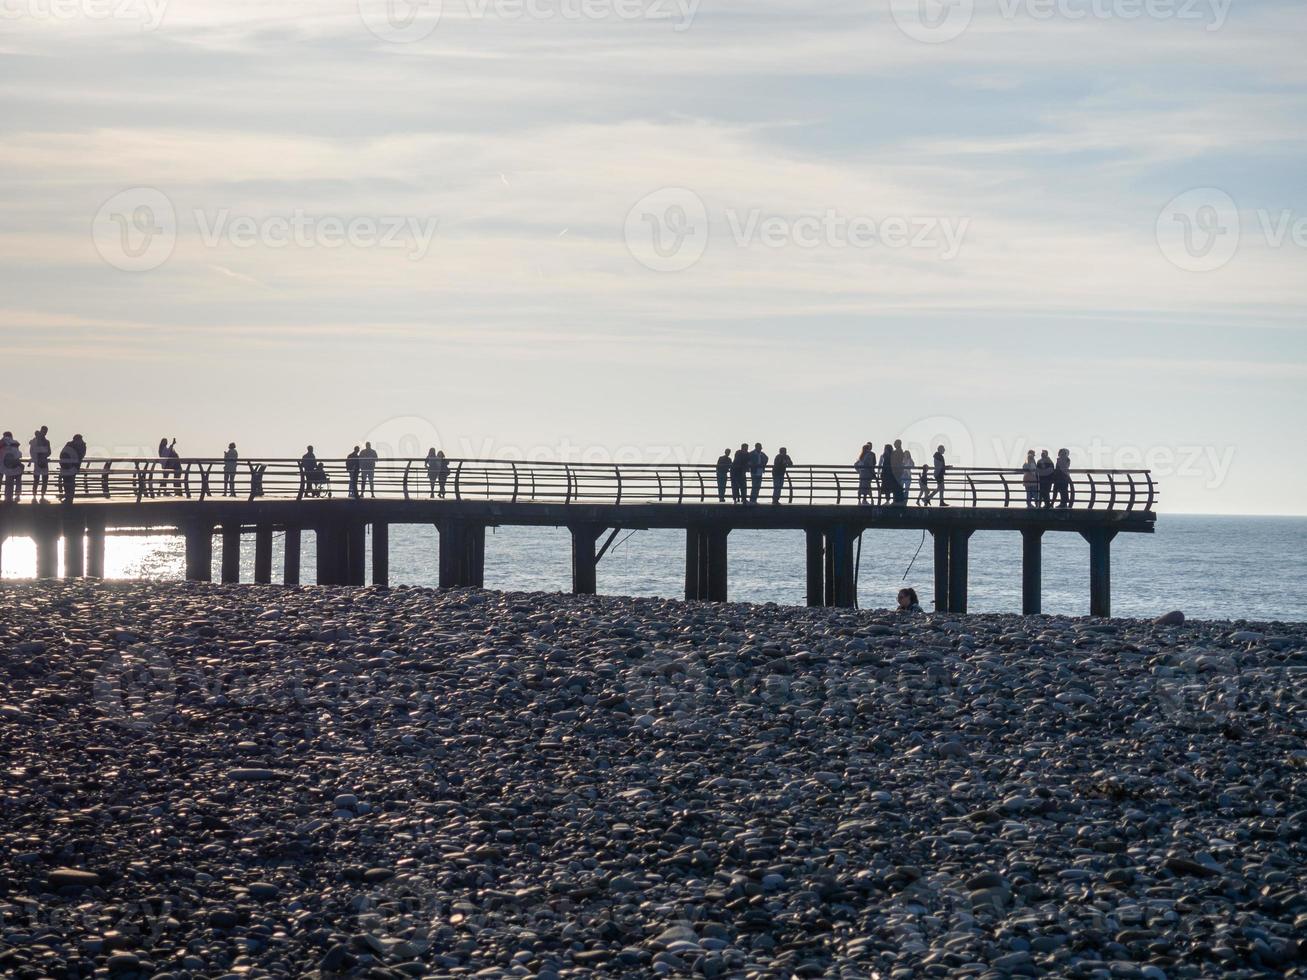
651	229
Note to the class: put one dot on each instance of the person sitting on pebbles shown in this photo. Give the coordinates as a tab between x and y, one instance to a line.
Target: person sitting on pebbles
908	602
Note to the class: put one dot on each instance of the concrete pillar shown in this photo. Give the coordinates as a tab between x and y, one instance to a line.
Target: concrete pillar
957	569
840	590
74	548
199	552
1031	571
706	563
231	552
291	557
263	554
941	569
95	547
380	553
332	555
462	554
356	553
816	566
585	579
47	550
1100	570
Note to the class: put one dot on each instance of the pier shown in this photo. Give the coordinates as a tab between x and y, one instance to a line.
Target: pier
594	502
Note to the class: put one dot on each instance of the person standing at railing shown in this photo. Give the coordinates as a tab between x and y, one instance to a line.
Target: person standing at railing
352	471
11	468
432	463
940	467
865	465
70	461
740	474
723	474
757	467
443	474
1030	479
1062	479
780	465
908	467
367	470
1044	470
889	481
923	487
229	459
308	467
38	451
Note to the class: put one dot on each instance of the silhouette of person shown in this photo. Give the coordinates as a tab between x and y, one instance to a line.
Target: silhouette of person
352	470
1030	479
723	474
79	444
367	470
442	472
757	467
938	462
890	487
11	467
229	459
923	487
1062	479
308	466
38	451
865	465
70	461
780	465
907	466
740	474
1044	470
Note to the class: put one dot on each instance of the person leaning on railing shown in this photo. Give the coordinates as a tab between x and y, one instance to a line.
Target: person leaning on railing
70	461
1062	479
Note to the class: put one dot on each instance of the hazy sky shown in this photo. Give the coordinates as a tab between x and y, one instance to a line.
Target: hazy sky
651	228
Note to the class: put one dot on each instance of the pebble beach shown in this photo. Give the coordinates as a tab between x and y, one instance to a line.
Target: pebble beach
251	781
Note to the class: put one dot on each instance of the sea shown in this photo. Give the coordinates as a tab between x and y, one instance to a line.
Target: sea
1210	567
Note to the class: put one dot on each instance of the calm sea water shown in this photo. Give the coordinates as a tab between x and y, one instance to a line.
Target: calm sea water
1211	567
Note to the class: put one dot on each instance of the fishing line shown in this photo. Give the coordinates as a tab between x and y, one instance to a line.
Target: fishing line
914	557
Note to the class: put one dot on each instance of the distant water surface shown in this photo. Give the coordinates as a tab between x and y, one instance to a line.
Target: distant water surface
1211	567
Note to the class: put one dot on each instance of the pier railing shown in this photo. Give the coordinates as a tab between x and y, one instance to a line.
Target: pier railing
127	479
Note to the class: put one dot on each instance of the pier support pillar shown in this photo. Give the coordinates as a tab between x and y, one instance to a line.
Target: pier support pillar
957	569
380	553
1032	571
291	557
705	563
231	552
47	550
199	552
462	554
941	569
1100	570
95	546
74	548
816	566
263	554
585	578
330	571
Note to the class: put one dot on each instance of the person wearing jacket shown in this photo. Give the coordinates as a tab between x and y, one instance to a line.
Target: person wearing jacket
11	468
740	474
723	474
1044	470
1062	479
1030	479
757	467
865	465
779	466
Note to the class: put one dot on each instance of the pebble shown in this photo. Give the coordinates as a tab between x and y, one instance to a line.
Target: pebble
404	782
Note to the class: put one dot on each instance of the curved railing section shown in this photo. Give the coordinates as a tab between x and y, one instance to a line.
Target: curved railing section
143	479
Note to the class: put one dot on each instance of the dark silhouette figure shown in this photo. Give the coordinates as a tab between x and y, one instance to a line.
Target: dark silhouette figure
1062	479
923	487
367	470
11	468
170	467
779	466
865	465
442	473
437	470
256	479
70	461
1030	479
740	474
723	474
757	467
352	470
940	467
38	451
308	467
229	460
1044	470
890	488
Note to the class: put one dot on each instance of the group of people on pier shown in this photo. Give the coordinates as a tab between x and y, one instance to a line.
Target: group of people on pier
13	465
887	479
745	469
